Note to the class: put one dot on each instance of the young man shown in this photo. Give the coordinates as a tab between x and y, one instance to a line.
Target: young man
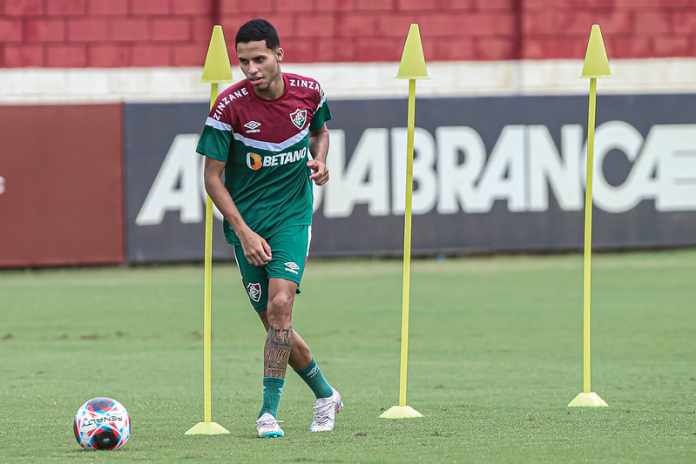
260	133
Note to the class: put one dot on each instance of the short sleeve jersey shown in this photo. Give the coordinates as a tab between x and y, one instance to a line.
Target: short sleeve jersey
265	145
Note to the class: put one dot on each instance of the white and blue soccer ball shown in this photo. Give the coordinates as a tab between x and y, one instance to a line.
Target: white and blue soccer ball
102	423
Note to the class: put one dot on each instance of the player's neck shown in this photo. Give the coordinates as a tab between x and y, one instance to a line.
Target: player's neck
275	89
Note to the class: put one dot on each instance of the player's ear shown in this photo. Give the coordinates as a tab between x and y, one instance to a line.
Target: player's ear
280	53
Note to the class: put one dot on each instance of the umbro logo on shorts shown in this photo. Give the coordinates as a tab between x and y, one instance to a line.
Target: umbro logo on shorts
292	267
254	290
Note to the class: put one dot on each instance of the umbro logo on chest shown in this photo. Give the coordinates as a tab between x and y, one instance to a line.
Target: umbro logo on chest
253	127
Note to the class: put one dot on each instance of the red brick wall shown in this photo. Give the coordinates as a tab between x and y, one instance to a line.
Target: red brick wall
631	28
116	33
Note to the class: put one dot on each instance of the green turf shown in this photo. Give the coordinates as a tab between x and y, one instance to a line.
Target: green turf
495	358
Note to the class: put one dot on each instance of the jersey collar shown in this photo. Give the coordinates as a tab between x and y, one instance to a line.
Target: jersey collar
286	86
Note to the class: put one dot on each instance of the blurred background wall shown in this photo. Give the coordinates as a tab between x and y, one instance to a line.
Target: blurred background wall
136	33
498	151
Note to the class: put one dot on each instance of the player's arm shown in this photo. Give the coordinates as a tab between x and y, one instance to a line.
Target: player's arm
256	249
319	148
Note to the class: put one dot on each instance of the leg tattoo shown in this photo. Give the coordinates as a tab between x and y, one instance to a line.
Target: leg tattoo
277	352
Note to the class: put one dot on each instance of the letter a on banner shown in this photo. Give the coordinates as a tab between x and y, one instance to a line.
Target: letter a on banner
216	69
412	67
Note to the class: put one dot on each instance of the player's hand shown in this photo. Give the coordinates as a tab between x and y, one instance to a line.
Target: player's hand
320	174
256	249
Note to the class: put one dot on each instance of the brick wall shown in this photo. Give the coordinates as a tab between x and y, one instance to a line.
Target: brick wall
122	33
632	28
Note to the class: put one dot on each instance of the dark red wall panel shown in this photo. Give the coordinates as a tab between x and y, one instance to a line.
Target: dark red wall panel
61	194
118	33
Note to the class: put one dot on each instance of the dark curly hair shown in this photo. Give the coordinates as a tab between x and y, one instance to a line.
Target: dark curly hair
258	29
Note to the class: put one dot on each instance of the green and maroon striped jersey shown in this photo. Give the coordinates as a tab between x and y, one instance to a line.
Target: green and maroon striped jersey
265	145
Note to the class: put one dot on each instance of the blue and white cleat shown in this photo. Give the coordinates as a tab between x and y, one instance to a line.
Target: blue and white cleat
325	410
267	427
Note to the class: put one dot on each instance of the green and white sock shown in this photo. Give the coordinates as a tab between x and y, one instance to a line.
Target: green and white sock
272	390
314	378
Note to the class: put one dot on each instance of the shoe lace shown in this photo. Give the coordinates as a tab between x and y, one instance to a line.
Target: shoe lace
322	412
267	422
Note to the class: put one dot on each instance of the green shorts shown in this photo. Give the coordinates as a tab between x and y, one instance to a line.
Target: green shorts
289	249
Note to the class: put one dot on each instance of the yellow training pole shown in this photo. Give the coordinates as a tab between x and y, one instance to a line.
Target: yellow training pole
216	69
587	265
412	67
208	298
406	284
596	64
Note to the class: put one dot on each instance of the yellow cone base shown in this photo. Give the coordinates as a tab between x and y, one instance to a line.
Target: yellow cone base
400	412
207	428
588	400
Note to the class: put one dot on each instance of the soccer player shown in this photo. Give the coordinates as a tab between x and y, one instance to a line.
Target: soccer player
268	135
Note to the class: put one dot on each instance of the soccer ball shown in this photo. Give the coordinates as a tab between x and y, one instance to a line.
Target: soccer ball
102	423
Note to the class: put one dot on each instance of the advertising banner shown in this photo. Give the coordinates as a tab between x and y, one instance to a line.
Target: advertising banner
490	174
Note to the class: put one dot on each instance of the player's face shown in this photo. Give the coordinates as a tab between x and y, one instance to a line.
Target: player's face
260	64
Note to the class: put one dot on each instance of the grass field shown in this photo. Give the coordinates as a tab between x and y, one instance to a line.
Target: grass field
495	358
